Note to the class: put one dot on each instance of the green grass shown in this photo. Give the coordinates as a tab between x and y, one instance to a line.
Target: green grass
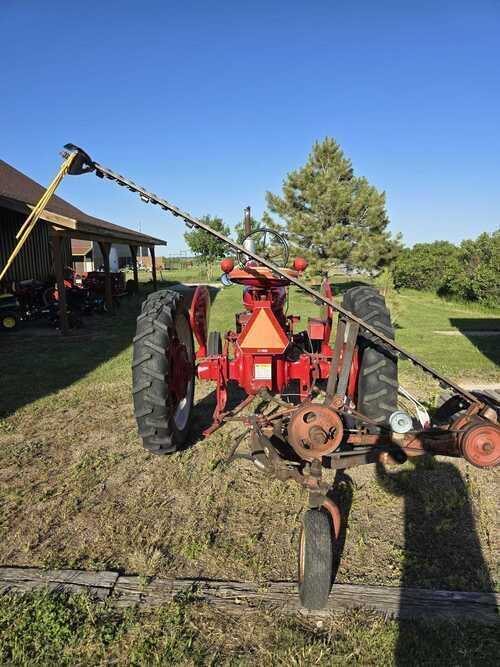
56	629
77	490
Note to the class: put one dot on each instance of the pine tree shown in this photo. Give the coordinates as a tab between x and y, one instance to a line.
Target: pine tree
332	216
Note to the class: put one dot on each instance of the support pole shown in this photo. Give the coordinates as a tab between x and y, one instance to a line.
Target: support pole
153	267
108	293
133	250
61	288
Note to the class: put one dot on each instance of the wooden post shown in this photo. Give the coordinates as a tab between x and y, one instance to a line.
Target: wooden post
133	250
108	293
58	266
153	267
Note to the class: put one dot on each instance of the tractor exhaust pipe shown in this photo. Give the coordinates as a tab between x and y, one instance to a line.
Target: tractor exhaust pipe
248	244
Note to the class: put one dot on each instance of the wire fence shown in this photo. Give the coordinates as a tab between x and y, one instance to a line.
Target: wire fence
181	260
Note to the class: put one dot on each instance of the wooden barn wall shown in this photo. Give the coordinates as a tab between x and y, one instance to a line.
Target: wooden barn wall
35	259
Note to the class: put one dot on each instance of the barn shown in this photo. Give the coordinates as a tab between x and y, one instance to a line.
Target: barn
48	249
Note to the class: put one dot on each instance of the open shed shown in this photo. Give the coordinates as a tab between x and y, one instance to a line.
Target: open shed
48	250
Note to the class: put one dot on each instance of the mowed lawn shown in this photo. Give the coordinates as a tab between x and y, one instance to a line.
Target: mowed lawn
77	490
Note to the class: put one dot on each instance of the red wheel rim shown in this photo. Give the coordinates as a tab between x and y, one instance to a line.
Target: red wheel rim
181	371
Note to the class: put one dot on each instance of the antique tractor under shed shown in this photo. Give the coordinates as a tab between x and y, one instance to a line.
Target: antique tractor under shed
320	406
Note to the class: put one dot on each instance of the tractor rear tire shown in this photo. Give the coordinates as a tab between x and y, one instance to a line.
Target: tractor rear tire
163	372
377	390
315	559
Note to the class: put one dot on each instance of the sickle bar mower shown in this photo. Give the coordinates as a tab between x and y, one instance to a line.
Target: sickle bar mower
320	405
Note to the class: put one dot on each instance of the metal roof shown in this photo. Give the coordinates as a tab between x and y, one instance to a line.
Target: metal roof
17	188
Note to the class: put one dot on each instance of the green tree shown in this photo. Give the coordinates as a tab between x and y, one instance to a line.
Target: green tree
206	246
333	216
475	274
468	272
424	266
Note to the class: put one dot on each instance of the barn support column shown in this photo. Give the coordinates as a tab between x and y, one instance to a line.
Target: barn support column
61	289
133	250
108	293
153	267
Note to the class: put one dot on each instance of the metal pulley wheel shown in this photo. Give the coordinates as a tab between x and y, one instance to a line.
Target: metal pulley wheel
315	430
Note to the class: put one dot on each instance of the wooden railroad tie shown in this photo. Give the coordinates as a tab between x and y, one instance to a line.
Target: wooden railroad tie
235	596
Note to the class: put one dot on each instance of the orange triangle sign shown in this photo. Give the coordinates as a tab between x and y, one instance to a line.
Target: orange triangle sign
263	332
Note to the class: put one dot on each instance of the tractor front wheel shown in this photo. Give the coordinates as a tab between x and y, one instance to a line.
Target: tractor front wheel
163	372
315	559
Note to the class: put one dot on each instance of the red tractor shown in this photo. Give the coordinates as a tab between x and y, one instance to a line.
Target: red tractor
320	406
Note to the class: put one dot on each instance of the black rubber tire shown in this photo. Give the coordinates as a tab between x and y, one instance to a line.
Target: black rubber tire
153	408
316	542
377	391
214	344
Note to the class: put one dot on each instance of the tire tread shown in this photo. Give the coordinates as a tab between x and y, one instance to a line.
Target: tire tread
150	372
378	371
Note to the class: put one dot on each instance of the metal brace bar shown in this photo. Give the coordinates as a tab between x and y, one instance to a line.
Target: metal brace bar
352	330
334	365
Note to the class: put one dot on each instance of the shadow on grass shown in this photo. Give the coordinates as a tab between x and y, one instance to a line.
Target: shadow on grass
203	410
473	327
341	493
36	366
442	550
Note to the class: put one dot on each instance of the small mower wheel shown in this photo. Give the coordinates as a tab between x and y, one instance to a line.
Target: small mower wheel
214	344
315	559
163	372
377	391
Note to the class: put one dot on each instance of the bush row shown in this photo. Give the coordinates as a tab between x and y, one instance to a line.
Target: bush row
468	272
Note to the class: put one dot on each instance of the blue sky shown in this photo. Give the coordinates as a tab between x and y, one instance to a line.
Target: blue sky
210	104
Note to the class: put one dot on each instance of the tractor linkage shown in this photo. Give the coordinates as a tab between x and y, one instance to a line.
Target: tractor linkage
294	434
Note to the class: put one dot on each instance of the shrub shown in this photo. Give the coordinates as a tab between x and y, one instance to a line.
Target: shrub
469	272
476	274
424	266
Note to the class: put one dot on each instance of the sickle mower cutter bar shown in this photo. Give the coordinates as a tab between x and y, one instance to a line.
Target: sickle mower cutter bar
296	431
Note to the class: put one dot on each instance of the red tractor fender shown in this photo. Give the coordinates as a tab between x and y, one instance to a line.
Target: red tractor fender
199	313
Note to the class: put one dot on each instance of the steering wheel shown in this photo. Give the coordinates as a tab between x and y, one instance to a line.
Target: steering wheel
267	243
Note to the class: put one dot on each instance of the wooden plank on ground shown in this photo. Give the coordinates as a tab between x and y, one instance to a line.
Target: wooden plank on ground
23	580
237	596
